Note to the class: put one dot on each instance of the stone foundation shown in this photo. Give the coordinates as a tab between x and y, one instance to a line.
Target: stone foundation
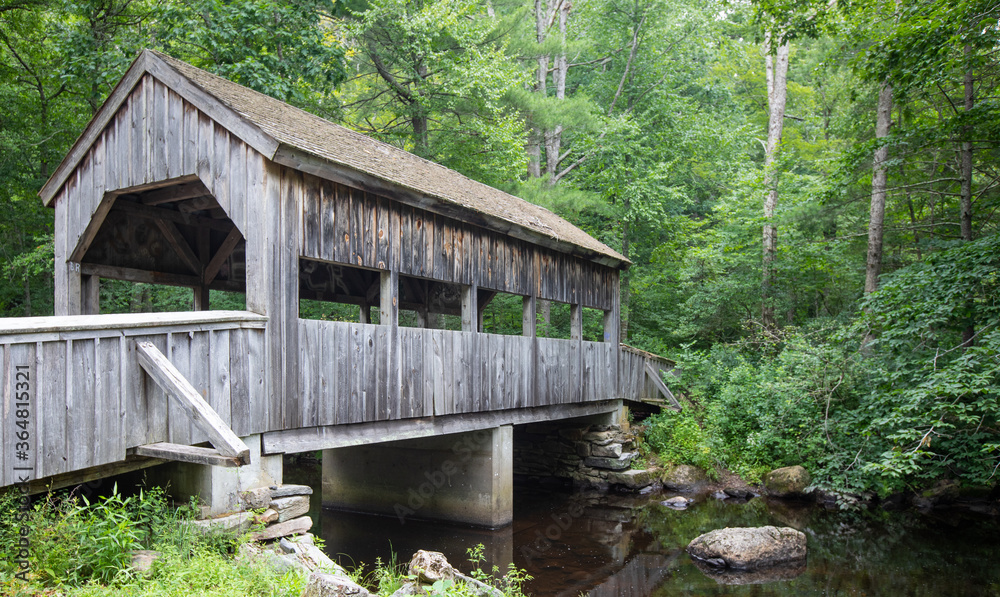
281	509
586	455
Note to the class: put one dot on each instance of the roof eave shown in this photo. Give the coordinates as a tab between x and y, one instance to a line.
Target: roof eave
298	159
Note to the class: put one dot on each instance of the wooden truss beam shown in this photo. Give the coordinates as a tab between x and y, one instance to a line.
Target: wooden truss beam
654	376
181	453
173	383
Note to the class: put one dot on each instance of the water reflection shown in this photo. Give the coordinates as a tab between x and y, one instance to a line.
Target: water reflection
607	545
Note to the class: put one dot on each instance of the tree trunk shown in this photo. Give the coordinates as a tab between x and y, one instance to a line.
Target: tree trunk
553	138
969	333
883	121
537	135
625	287
777	86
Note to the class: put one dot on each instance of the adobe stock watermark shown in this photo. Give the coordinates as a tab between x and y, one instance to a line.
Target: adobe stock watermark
22	472
545	538
420	496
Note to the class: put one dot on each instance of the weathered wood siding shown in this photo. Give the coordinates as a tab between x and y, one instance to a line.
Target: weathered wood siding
344	377
633	383
89	400
155	136
346	225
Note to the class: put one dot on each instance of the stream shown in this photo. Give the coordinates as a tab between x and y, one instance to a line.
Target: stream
610	545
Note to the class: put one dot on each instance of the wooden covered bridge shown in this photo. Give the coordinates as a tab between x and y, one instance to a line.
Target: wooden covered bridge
186	179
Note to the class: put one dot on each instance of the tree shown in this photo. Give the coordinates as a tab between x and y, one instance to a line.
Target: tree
287	50
776	65
880	172
432	77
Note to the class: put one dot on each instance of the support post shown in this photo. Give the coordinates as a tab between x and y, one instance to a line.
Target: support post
201	294
365	313
90	295
575	321
388	313
201	298
529	317
470	308
611	326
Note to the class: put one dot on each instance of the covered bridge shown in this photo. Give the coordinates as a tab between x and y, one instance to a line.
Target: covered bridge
184	178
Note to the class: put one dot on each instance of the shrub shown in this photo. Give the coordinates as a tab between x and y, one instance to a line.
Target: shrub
677	438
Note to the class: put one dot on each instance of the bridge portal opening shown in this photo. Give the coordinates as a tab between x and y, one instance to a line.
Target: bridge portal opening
148	243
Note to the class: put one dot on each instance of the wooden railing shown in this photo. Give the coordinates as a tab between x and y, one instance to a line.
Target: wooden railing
640	379
88	401
346	372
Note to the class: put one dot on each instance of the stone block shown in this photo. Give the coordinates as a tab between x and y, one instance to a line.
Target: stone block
254	499
142	561
267	517
290	507
600	438
633	479
608	451
284	529
613	464
583	449
281	491
238	523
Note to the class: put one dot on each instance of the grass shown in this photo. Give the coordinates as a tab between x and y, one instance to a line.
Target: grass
82	548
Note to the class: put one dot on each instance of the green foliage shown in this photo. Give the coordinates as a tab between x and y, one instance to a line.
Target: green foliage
75	541
200	572
938	403
677	438
85	547
287	50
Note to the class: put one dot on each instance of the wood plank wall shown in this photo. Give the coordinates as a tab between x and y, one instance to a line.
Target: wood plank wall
346	225
343	377
632	381
90	401
155	136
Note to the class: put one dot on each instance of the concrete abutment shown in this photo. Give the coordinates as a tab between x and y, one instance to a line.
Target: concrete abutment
461	477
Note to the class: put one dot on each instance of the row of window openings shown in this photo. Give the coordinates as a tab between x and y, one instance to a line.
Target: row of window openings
336	292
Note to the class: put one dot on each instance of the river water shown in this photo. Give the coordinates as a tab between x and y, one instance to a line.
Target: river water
576	543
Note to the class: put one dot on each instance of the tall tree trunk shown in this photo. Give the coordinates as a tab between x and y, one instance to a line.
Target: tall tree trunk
883	121
777	87
966	192
420	120
553	138
965	219
536	135
625	286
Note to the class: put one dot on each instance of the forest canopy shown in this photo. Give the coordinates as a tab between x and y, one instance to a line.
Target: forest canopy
808	191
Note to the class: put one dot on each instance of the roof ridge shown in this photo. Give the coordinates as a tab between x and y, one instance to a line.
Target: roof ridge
278	123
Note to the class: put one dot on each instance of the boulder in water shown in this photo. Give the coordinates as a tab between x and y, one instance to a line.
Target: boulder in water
683	477
749	548
787	482
677	503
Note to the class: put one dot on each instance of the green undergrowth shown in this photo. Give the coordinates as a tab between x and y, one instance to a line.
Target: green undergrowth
81	547
893	397
388	577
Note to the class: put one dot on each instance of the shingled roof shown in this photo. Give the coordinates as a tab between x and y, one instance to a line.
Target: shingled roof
287	126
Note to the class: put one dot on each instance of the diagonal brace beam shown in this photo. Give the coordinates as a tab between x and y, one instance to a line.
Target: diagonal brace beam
654	376
228	245
180	245
163	372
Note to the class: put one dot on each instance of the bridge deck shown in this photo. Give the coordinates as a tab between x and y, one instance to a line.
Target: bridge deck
76	397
